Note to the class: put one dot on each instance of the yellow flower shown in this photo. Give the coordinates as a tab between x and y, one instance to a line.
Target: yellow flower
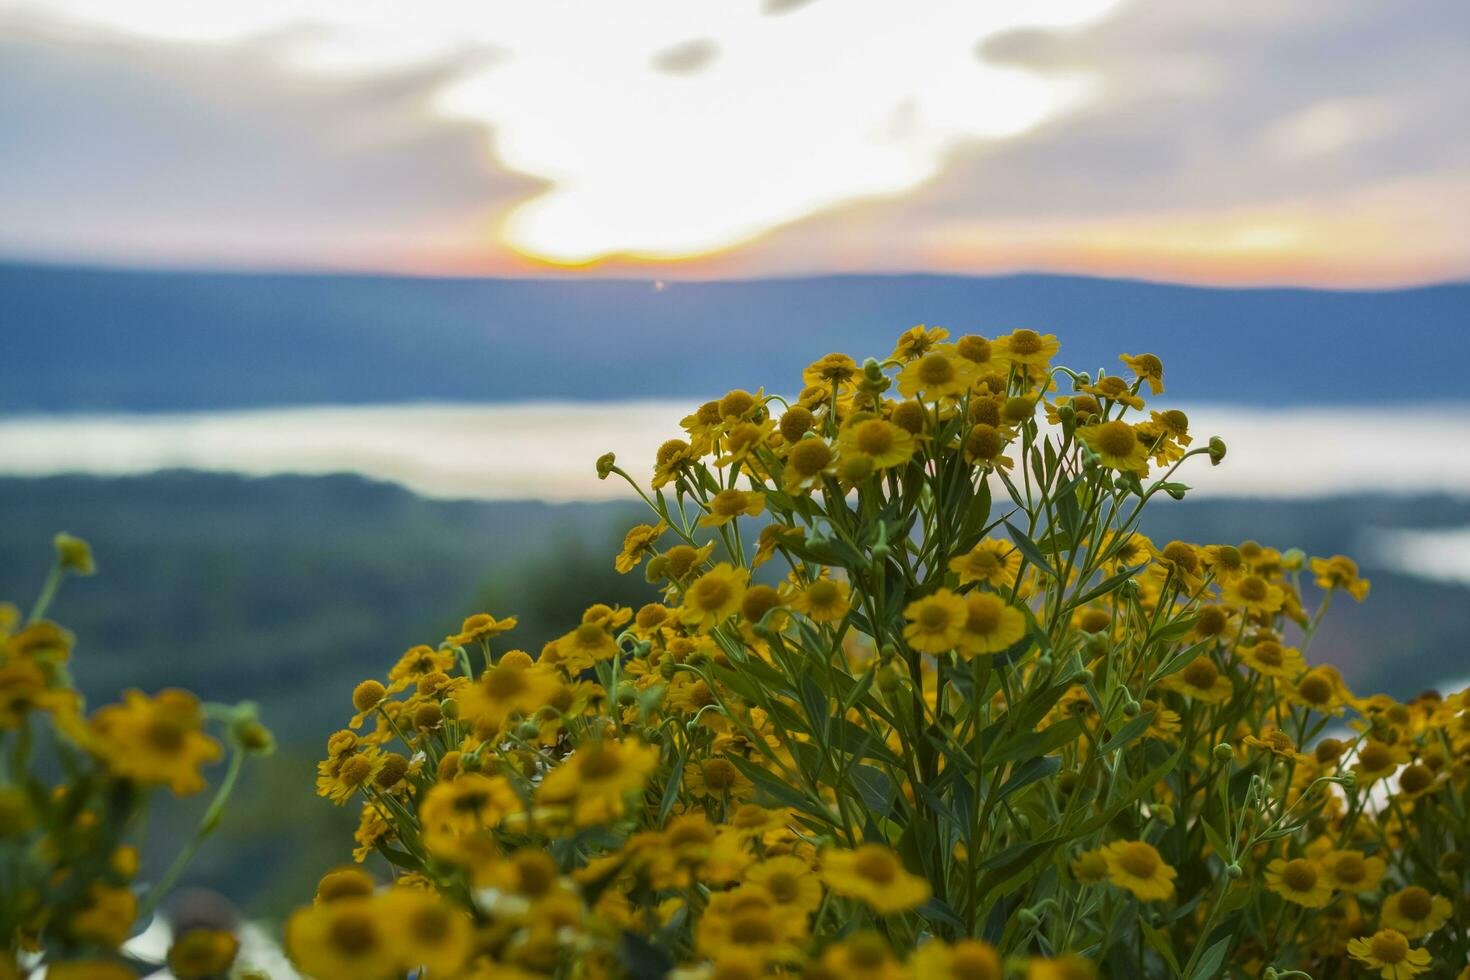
1200	679
636	543
1027	347
1146	367
826	600
968	959
992	562
935	622
673	458
202	953
596	779
991	624
1117	445
1069	967
716	778
862	956
1350	871
713	597
917	341
107	918
1378	760
155	741
584	646
479	628
24	688
1414	912
789	880
416	663
874	875
1090	867
1340	572
515	686
985	445
1388	952
345	940
1320	689
831	371
341	776
1254	594
1272	659
428	933
1137	866
727	505
879	442
1301	881
458	816
1114	389
808	461
749	918
941	373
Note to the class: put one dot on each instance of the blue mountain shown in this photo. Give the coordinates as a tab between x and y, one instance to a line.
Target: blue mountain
92	339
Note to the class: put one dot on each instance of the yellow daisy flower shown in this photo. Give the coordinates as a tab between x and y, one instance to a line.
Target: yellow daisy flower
806	464
941	373
1388	952
992	561
1117	445
1148	368
1350	871
155	741
636	543
1301	881
878	441
1340	572
713	597
727	505
1272	659
991	624
1414	912
825	600
935	622
790	880
1200	679
874	875
1027	347
1255	594
968	959
1138	867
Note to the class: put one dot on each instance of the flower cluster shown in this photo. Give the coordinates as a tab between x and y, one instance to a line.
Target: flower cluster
919	700
74	790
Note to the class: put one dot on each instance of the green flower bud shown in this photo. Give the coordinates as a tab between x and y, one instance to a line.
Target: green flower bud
1131	708
1217	450
1233	871
74	555
605	464
1224	753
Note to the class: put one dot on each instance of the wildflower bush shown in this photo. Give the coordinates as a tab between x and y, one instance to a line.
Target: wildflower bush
75	792
920	701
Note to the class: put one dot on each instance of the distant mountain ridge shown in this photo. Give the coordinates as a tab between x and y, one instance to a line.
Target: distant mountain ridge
74	339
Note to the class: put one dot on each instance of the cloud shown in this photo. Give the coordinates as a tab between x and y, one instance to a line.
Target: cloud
131	148
1320	141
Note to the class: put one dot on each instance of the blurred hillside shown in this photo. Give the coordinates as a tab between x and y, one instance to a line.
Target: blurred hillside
89	339
289	590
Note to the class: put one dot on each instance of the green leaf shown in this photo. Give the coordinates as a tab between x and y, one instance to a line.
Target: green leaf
1160	944
1209	965
1126	734
1027	773
874	787
1033	744
1029	549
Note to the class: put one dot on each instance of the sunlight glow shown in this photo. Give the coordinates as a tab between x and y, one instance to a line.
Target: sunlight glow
784	116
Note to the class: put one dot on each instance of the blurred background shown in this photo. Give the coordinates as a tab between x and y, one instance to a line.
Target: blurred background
314	316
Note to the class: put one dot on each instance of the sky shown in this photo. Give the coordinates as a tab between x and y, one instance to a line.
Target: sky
1317	142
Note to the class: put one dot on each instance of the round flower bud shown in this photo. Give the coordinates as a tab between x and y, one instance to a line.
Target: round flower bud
1224	753
395	767
605	464
1233	871
1217	450
253	737
449	708
74	555
368	695
1131	708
